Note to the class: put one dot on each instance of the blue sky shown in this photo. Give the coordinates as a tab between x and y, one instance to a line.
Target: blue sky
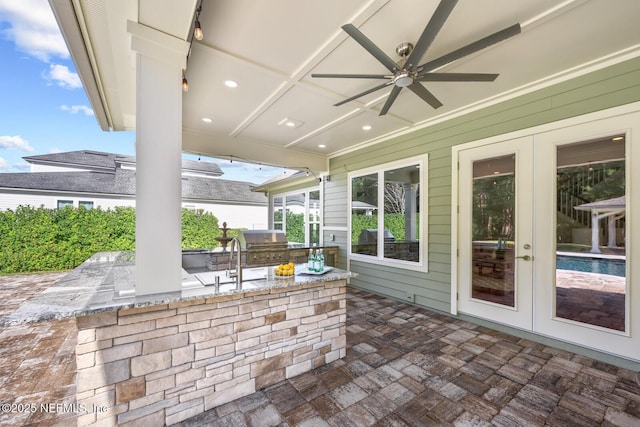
43	107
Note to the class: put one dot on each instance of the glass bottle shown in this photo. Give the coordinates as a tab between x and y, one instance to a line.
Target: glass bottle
311	261
320	261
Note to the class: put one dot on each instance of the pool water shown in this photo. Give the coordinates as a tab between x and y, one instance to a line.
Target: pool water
614	267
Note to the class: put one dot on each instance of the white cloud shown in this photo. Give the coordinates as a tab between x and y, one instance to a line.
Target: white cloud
4	165
75	109
15	142
22	166
33	28
63	77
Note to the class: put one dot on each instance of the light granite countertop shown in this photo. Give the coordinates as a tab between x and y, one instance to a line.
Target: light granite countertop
106	282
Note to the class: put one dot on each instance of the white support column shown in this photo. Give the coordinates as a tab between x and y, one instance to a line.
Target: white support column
160	60
611	227
595	233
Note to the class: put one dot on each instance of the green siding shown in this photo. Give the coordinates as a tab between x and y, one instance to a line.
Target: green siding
610	87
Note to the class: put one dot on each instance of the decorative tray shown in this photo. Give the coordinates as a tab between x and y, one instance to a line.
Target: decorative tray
316	273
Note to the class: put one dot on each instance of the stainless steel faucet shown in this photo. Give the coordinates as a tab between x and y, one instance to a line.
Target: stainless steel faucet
237	273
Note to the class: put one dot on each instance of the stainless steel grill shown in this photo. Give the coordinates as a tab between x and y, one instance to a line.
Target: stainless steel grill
263	247
370	235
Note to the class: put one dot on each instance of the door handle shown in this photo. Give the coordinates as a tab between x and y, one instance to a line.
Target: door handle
525	257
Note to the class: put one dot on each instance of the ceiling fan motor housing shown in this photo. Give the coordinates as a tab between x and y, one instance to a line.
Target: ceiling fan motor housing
403	79
404	49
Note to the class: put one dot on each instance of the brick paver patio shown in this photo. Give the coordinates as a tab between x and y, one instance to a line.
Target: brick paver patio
405	366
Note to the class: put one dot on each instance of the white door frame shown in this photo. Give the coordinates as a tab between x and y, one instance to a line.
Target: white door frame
621	120
627	343
520	315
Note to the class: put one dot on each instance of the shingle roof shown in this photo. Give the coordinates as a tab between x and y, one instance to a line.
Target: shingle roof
122	182
194	187
99	160
86	158
83	182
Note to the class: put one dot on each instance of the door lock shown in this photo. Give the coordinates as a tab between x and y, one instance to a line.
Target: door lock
525	257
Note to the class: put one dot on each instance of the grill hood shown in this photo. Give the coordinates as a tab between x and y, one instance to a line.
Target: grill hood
262	239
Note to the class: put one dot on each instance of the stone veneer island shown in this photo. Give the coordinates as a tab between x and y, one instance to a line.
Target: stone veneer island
160	359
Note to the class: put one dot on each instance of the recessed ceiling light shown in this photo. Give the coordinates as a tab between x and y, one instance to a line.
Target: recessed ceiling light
322	146
290	123
366	127
230	83
206	120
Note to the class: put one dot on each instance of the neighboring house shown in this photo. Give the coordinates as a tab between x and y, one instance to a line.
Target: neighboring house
95	179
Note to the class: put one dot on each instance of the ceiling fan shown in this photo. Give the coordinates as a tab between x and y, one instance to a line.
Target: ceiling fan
407	73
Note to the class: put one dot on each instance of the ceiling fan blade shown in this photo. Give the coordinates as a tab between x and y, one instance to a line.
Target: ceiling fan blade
370	47
352	76
366	92
392	97
472	48
457	77
436	22
426	96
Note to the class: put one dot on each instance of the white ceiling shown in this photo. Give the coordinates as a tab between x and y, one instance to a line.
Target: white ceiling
271	48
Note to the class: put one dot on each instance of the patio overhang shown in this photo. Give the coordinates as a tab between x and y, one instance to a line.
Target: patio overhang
271	49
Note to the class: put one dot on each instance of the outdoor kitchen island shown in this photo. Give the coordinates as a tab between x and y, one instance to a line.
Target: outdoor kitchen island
160	359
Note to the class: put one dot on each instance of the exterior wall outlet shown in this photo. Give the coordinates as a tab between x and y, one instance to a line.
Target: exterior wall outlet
411	297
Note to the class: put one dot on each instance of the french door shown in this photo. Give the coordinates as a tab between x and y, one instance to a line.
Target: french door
545	233
496	232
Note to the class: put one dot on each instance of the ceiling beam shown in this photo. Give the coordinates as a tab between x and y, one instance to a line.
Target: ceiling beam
251	151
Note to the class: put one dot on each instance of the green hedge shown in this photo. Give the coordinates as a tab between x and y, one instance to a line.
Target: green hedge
395	223
39	239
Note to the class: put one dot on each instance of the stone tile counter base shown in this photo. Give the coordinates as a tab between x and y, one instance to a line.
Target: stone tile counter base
162	364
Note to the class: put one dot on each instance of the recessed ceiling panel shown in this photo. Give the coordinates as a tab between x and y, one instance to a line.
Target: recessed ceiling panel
307	116
349	133
208	96
279	34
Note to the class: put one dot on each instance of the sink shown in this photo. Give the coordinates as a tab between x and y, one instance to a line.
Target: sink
208	278
256	273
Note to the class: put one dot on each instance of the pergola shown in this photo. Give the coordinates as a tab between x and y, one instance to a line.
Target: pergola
613	209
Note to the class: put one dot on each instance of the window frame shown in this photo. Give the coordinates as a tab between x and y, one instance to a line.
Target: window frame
422	264
87	204
64	202
307	209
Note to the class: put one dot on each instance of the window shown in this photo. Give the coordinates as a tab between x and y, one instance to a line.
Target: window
64	203
278	215
314	217
298	214
388	214
85	204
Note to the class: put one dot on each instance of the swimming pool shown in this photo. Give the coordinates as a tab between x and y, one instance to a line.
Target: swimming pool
615	267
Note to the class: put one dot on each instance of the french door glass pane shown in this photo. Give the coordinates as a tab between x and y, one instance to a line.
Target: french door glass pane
493	230
591	233
294	220
364	214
